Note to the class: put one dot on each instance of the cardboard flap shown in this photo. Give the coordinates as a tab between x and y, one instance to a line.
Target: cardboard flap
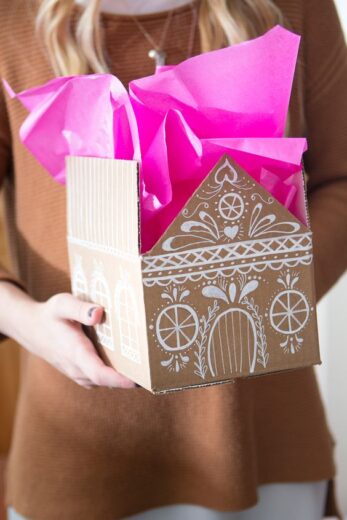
103	203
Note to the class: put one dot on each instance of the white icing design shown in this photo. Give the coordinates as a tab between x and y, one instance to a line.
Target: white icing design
187	214
231	206
103	248
227	272
127	316
225	175
289	312
228	260
78	279
197	233
200	363
204	229
260	226
239	353
243	250
268	200
242	326
210	247
176	328
100	293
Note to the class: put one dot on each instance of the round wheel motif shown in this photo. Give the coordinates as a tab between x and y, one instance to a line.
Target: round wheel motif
289	312
231	206
177	327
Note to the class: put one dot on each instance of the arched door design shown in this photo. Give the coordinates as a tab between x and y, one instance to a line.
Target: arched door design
240	354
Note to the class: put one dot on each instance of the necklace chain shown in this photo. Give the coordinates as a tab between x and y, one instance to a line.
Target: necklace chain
149	37
157	53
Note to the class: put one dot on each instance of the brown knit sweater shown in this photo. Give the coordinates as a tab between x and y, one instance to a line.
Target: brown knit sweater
105	454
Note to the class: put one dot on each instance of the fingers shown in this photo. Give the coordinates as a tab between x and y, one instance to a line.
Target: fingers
95	370
84	382
83	364
102	375
66	306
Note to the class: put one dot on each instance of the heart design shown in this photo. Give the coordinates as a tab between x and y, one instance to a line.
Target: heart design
231	231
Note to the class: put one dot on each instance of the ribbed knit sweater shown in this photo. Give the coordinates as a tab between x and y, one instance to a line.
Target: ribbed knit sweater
105	454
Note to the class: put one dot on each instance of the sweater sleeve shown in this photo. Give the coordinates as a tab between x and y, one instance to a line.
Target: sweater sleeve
325	58
5	165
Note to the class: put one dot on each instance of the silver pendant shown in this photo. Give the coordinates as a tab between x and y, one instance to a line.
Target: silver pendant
159	57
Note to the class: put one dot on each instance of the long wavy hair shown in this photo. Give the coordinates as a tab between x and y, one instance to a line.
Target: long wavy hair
78	48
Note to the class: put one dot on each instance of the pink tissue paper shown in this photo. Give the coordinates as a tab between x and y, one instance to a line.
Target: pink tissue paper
178	123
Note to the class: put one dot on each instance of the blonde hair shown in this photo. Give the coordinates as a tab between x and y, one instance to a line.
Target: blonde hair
79	50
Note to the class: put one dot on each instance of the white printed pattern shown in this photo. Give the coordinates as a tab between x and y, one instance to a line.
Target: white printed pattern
125	308
289	312
128	318
176	329
180	264
225	174
100	293
228	252
195	260
242	325
107	210
205	228
231	206
79	280
239	352
228	271
179	330
101	248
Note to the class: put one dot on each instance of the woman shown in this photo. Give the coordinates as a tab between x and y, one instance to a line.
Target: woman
115	450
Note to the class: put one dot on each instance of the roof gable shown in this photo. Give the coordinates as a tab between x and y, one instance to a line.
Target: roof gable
228	207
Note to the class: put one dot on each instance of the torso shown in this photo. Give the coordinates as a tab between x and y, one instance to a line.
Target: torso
210	446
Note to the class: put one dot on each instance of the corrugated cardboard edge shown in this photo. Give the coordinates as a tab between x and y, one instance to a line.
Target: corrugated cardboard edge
155	391
312	270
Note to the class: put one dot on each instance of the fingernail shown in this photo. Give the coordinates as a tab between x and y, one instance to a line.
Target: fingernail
91	310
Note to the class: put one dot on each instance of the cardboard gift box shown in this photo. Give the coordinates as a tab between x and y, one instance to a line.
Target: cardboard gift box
226	292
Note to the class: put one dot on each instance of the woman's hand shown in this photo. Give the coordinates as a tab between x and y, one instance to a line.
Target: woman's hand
53	331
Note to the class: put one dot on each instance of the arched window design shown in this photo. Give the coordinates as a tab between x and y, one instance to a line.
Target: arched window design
127	316
100	294
79	280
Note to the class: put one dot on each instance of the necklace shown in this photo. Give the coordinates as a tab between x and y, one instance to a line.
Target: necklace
157	52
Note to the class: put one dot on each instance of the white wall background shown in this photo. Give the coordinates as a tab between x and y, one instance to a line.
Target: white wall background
342	6
332	318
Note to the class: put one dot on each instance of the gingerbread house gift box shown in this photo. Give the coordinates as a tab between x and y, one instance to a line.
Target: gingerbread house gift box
226	292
